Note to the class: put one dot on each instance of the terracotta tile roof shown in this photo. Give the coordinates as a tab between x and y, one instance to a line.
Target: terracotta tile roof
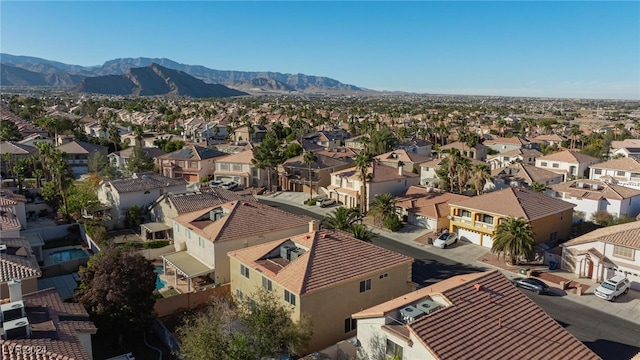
435	163
626	143
193	152
333	257
206	198
527	173
624	163
81	147
18	262
55	325
507	140
241	219
11	196
339	153
145	181
518	152
323	162
602	190
570	157
492	316
431	204
243	157
381	173
8	220
402	155
516	202
549	137
627	235
12	147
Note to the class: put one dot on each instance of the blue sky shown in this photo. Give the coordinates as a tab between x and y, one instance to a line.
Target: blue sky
513	48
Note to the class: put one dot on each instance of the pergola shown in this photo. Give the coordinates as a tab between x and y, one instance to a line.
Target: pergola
185	265
155	228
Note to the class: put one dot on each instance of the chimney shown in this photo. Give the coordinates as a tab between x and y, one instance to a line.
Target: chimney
400	168
15	290
313	226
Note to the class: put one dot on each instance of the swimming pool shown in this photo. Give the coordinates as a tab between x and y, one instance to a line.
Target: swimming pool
159	282
68	254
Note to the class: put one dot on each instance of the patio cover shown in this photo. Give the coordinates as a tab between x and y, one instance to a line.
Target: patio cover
186	264
156	227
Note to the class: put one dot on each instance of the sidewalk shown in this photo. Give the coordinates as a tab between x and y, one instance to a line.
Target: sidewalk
626	306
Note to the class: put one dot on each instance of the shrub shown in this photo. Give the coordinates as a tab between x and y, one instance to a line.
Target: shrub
311	202
155	244
392	222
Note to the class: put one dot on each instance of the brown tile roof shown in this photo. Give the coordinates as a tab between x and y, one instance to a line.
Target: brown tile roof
243	218
518	152
527	173
206	198
11	196
627	235
515	140
603	190
8	220
81	147
516	202
150	152
402	155
549	137
431	204
624	163
193	152
333	257
381	173
570	157
55	326
12	147
18	262
323	162
488	324
145	181
243	157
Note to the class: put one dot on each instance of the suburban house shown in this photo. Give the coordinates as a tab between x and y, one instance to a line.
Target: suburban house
328	139
140	190
16	152
346	184
409	161
39	325
523	175
626	148
594	195
192	162
476	219
118	159
256	135
293	174
525	156
439	322
623	171
324	274
17	262
571	164
478	152
427	208
239	168
202	238
170	205
416	146
428	176
79	153
605	252
14	204
550	139
507	144
354	143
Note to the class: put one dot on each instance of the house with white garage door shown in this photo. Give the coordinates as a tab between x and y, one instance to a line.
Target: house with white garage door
426	207
476	219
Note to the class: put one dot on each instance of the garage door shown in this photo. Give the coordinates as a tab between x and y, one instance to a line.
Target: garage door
468	235
421	221
487	241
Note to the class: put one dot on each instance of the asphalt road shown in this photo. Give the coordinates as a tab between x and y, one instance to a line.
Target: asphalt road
610	337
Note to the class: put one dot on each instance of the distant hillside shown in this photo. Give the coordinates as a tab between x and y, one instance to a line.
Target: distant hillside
15	76
265	84
154	80
44	66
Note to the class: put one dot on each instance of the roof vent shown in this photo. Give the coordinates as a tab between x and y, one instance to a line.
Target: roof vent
428	306
478	287
410	313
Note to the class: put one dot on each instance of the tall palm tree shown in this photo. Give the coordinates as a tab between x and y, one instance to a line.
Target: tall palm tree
383	206
514	237
463	169
452	163
363	161
481	175
575	133
342	218
309	159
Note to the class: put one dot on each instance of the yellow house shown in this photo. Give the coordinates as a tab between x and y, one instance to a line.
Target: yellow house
476	219
325	274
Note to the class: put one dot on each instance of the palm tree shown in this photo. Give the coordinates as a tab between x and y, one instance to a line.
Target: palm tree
341	219
452	163
538	187
382	207
575	133
480	177
309	159
463	169
514	237
361	232
363	161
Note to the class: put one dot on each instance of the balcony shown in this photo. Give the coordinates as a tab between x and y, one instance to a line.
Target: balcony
483	225
463	220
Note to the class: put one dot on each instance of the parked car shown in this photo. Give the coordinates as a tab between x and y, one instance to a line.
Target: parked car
445	239
214	183
231	185
324	202
532	284
612	288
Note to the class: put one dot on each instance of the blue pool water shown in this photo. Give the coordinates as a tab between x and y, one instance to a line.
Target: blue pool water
66	255
159	282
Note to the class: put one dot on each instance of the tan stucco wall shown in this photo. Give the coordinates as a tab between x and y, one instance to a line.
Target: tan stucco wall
560	222
28	286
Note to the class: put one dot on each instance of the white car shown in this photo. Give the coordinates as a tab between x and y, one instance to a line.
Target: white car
612	288
231	185
445	240
325	202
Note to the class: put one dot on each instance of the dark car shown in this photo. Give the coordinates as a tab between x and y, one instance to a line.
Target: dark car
535	285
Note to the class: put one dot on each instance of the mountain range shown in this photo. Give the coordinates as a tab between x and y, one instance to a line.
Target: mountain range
32	71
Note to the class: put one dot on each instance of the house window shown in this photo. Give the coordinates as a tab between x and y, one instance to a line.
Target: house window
393	350
597	171
244	271
349	325
487	219
620	173
543	163
623	252
555	165
350	184
465	213
290	297
506	158
384	276
176	228
224	166
181	163
237	167
239	294
188	232
254	172
553	236
365	285
266	283
635	176
201	242
336	181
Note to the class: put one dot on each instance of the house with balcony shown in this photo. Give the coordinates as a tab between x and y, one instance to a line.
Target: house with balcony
293	174
477	152
325	274
623	171
409	161
439	321
192	162
604	253
346	184
79	153
476	219
524	156
118	159
507	144
426	207
591	196
570	164
523	175
203	238
238	167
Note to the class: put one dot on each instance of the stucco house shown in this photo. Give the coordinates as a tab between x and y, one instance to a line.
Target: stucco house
238	167
523	175
593	195
79	153
525	156
293	174
325	274
439	321
568	163
550	139
416	146
476	219
428	176
506	144
16	152
605	252
478	152
409	161
119	158
192	162
17	261
427	208
623	171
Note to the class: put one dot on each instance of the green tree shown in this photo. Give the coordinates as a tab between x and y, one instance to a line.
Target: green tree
463	170
341	219
514	237
9	131
481	175
268	155
133	215
138	162
538	187
100	165
363	161
309	159
361	232
292	150
82	195
383	208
